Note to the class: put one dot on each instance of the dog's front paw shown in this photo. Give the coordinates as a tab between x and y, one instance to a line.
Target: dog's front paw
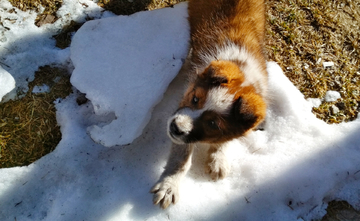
165	192
217	167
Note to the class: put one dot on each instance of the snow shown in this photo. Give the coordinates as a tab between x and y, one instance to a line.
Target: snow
128	78
289	171
7	83
331	96
315	102
40	89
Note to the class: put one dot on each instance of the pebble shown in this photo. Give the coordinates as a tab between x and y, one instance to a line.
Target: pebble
318	61
328	64
334	109
341	105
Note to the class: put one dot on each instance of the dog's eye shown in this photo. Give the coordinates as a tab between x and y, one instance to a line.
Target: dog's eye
212	124
195	100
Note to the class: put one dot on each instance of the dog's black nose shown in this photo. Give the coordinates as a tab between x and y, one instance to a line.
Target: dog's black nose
174	129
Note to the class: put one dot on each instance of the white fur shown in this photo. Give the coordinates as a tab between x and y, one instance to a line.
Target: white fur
184	122
219	100
251	67
217	164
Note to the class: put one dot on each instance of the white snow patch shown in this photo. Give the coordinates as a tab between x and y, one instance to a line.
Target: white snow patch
315	102
7	83
41	89
331	96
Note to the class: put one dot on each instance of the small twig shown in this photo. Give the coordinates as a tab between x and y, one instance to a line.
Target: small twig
4	64
289	205
256	150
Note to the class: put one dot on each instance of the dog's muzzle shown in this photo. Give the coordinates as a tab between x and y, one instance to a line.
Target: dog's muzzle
180	125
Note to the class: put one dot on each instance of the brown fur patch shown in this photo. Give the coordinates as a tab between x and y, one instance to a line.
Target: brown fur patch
241	22
195	96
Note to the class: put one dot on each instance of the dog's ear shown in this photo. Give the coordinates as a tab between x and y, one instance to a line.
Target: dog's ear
217	80
243	114
213	79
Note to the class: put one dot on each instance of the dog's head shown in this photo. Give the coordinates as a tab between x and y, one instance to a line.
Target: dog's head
218	106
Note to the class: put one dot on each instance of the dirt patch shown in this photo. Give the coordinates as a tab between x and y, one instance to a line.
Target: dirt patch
63	39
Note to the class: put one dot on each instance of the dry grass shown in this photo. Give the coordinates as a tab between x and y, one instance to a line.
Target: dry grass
126	7
302	34
28	127
49	13
340	210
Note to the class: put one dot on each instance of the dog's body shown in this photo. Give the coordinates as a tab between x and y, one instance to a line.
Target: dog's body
226	96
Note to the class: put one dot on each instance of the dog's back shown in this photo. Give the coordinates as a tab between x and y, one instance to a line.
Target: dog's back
215	23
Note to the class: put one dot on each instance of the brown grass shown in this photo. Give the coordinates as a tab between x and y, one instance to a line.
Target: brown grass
28	127
126	7
49	13
340	210
303	34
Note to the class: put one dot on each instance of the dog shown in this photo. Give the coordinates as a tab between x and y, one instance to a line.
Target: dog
226	95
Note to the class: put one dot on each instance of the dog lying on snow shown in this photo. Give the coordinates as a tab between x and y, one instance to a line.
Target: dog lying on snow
226	95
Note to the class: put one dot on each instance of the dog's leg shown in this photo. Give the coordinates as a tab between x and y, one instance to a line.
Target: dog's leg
166	189
217	164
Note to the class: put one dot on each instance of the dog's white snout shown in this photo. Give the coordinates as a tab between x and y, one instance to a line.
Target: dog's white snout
182	124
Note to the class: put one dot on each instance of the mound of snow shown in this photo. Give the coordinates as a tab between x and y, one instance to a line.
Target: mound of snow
124	64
